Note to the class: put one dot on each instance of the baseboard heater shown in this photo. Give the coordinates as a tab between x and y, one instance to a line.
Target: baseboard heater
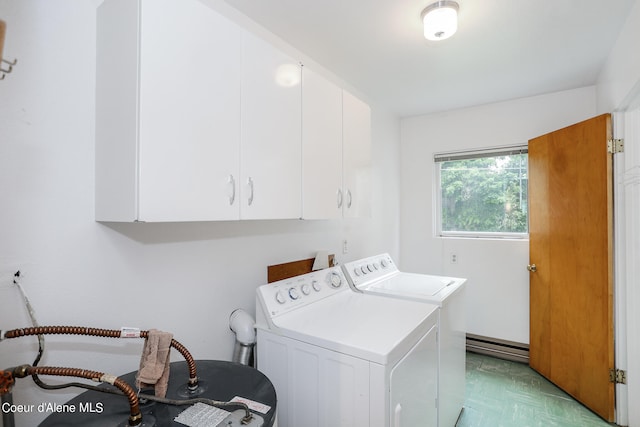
501	349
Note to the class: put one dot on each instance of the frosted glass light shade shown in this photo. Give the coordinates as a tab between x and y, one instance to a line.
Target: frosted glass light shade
440	20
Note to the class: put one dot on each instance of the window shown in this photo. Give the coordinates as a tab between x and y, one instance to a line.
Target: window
483	193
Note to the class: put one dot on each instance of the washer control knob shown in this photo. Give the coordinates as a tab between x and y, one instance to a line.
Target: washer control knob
280	297
316	286
364	269
305	289
335	280
370	267
375	266
357	271
383	263
293	294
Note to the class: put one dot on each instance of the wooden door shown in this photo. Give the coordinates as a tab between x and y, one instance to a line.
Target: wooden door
571	291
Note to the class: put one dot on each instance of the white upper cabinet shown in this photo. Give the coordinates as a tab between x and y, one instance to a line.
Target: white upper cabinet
356	157
336	151
168	112
322	194
199	120
271	132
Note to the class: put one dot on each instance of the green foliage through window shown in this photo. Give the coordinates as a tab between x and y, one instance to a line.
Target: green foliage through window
485	195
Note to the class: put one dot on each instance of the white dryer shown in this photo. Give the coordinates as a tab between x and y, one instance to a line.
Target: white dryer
338	358
379	275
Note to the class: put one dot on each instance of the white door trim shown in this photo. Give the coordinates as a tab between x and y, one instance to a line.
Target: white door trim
628	276
620	275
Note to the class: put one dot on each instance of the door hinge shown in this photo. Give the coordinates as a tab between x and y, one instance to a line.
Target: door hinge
617	376
615	146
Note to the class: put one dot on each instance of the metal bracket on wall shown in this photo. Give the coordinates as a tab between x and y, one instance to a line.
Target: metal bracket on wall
4	71
7	71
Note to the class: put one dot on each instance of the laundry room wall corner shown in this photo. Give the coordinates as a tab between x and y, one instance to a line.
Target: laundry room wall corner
498	285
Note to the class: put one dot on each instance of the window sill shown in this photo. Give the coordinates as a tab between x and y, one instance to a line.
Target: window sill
484	236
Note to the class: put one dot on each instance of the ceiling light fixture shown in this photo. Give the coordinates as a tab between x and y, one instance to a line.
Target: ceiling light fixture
440	20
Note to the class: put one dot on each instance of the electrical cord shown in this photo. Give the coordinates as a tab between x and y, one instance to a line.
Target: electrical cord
219	404
32	315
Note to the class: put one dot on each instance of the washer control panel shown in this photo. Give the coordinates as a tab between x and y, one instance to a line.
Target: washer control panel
289	294
369	269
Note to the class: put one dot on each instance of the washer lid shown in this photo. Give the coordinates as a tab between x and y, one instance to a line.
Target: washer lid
374	328
424	287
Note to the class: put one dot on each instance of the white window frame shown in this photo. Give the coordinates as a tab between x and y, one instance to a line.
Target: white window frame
471	154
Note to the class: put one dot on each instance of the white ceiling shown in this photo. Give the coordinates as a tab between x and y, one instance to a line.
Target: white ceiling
504	49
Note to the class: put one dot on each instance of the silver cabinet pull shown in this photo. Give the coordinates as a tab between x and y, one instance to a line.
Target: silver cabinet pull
349	199
339	197
232	184
397	415
250	183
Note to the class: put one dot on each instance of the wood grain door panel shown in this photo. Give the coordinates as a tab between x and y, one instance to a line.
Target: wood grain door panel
571	293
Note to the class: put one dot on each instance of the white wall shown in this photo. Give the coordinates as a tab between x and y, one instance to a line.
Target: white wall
498	282
184	278
619	80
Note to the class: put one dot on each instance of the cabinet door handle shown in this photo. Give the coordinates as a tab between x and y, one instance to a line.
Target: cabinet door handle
250	183
397	412
339	197
349	199
232	183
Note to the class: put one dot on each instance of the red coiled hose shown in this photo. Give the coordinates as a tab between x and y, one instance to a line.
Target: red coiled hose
108	333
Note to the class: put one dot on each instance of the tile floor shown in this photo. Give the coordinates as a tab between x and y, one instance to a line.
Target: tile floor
501	393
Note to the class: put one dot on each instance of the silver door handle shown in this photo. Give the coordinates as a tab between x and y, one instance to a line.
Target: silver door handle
250	182
339	197
532	268
349	199
232	183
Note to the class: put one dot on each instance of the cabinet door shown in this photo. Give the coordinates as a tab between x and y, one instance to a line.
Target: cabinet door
356	157
271	132
322	195
189	112
116	147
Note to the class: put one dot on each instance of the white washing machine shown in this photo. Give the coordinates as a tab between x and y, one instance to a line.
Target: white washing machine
338	358
379	275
